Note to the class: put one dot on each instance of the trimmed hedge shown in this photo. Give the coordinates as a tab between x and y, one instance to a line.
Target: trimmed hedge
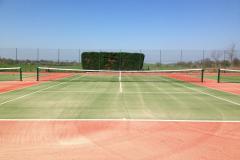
112	60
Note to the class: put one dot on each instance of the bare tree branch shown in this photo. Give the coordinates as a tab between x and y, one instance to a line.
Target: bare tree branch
216	55
231	52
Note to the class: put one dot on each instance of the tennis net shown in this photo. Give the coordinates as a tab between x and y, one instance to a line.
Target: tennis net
229	75
79	75
11	74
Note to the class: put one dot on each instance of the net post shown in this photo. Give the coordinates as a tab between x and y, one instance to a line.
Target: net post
37	73
219	72
20	72
202	75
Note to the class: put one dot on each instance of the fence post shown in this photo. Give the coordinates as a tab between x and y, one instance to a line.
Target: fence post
203	57
16	55
224	58
139	63
38	54
181	56
58	55
99	60
160	58
120	60
79	56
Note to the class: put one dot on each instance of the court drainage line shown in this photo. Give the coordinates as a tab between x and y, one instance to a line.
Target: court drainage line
11	100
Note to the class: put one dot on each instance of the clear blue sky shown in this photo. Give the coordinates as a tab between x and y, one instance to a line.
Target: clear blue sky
120	24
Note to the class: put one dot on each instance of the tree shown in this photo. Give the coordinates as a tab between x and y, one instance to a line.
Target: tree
236	62
231	52
216	55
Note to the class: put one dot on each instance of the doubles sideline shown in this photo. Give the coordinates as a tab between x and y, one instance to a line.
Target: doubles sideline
184	86
205	93
25	95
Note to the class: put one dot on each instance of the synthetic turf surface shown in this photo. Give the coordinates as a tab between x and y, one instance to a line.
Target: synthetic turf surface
8	76
136	99
226	78
119	137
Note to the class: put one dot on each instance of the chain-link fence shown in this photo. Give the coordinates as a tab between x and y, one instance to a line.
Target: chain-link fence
154	59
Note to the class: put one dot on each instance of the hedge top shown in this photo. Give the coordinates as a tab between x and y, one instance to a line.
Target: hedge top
112	60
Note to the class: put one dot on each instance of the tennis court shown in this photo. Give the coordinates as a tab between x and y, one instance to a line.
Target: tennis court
119	115
119	95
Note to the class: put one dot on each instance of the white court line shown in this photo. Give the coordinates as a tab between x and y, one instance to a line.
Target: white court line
36	92
120	82
211	95
55	91
30	94
18	88
73	91
128	120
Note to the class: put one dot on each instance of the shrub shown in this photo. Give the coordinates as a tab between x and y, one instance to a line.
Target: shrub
112	60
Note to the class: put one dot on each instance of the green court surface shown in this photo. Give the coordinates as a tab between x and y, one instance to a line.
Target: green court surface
213	77
225	78
230	79
225	75
14	76
9	77
161	98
